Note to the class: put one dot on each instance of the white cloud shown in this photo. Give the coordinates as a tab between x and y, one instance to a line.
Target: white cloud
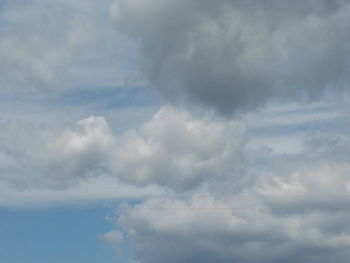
285	217
295	210
113	237
173	150
208	230
180	152
276	187
54	156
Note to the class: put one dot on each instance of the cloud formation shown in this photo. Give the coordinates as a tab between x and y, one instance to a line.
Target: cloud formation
54	157
297	211
235	55
172	150
268	187
181	152
209	230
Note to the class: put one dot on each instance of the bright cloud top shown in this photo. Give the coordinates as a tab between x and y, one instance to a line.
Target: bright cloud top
173	150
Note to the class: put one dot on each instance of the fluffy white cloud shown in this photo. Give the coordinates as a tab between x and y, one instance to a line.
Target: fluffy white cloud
181	152
232	55
53	156
173	150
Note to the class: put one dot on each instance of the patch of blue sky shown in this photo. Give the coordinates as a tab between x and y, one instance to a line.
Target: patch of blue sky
67	234
283	128
289	129
279	119
109	98
302	110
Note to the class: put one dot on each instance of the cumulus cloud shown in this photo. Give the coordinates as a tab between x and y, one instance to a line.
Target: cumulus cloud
210	230
172	150
298	214
180	152
295	210
239	202
233	55
53	156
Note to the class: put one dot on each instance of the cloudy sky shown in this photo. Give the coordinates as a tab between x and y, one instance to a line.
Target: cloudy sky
180	131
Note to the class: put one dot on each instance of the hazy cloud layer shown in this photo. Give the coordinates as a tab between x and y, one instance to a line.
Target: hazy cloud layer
51	47
37	59
235	55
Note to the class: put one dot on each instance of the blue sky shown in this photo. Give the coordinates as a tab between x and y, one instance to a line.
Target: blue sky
57	234
151	131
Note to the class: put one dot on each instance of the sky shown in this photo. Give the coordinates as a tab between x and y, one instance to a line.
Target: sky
151	131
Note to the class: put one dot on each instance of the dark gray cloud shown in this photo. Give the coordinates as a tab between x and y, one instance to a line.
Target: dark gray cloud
234	55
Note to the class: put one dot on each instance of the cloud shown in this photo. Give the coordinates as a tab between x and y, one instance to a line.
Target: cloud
235	55
53	157
295	215
37	59
207	230
50	48
294	205
229	190
181	152
174	150
113	237
295	210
